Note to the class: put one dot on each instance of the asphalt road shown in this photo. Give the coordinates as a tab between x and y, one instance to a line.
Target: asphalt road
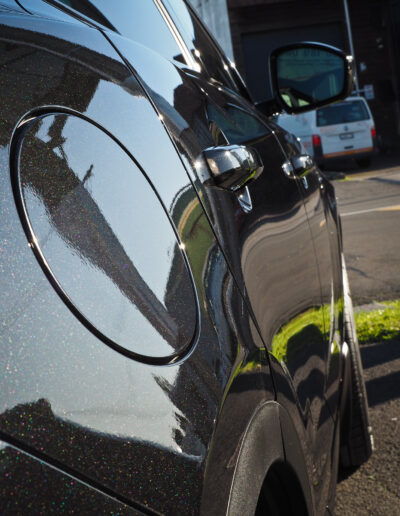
370	205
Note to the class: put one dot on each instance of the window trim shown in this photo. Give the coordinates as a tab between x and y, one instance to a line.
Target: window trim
229	67
177	36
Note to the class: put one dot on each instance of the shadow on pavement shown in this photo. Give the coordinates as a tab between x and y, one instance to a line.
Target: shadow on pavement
384	388
380	353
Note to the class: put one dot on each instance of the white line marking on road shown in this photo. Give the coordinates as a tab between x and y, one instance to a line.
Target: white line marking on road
360	212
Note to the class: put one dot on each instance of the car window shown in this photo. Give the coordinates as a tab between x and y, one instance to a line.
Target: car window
343	113
238	125
139	21
199	42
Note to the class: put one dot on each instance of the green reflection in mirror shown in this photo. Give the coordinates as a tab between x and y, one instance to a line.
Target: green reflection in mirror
308	76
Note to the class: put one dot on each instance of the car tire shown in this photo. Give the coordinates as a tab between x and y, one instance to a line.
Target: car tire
356	436
363	162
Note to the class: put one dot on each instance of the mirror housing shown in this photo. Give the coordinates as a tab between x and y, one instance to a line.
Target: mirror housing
308	75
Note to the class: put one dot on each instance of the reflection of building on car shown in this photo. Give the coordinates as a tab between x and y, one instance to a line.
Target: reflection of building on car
342	130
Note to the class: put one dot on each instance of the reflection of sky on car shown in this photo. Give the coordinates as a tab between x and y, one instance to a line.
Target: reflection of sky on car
133	22
85	382
124	319
117	210
88	209
143	146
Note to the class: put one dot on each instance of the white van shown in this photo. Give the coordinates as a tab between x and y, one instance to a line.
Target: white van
344	129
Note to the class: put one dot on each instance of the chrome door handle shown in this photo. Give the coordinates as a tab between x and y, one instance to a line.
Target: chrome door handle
232	167
288	169
302	165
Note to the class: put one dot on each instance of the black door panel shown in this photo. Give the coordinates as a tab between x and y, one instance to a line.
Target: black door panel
269	249
320	205
319	195
281	274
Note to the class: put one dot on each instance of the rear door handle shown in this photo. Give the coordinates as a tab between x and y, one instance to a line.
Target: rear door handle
232	167
298	166
302	165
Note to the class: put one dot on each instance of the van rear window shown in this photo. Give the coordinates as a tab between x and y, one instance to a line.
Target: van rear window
342	113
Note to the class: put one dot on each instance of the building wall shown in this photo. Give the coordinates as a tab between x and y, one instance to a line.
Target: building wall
372	27
251	17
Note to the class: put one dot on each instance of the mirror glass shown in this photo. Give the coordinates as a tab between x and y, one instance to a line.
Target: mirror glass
307	76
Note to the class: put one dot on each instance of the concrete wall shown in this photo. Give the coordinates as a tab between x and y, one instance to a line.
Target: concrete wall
214	14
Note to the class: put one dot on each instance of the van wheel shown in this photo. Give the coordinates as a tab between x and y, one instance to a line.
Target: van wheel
363	162
356	433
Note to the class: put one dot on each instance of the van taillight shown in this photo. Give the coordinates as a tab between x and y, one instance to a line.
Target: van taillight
317	146
373	133
316	140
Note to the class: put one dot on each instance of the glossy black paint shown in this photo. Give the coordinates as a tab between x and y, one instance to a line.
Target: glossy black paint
159	438
285	285
30	485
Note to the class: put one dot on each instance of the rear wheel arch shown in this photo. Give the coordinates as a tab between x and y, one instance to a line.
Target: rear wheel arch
281	493
270	455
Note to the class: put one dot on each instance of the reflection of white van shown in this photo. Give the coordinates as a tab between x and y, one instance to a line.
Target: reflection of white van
344	129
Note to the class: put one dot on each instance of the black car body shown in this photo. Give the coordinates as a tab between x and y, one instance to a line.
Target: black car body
168	345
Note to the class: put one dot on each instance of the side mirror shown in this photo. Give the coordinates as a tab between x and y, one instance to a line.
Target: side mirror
306	76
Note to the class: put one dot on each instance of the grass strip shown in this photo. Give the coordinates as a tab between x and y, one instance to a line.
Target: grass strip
379	325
